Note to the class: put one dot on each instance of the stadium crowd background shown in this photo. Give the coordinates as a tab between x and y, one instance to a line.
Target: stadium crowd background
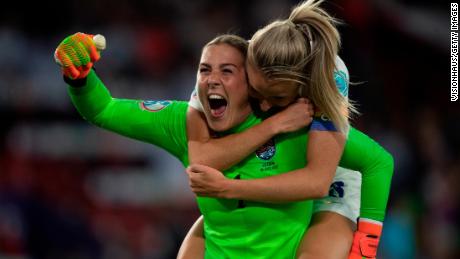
71	190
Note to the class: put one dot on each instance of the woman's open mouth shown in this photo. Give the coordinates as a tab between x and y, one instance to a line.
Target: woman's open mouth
217	104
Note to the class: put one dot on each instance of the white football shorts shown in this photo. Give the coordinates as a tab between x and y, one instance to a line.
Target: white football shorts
344	195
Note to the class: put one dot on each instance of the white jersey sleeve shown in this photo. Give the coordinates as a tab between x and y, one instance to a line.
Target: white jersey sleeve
195	101
341	76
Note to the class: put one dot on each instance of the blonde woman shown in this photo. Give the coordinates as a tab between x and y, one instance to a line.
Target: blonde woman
288	59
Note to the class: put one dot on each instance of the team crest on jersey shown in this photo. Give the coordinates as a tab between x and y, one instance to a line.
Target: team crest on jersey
155	106
266	151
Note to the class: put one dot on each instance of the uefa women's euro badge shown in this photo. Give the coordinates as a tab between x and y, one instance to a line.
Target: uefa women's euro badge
154	106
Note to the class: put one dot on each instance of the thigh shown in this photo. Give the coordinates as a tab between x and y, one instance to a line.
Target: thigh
330	235
193	244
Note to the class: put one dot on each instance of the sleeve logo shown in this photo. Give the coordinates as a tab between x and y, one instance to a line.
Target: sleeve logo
154	106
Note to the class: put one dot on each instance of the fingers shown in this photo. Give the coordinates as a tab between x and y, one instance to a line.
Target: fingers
81	53
71	72
90	46
77	72
198	168
76	55
303	100
63	57
310	107
194	179
84	70
195	185
66	63
191	170
94	54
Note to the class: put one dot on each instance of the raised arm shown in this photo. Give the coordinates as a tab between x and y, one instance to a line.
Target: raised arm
222	153
141	120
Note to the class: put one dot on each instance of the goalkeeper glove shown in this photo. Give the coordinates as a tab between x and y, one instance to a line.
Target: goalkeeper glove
366	239
77	53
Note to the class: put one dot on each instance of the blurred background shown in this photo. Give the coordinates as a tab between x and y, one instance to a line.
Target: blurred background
71	190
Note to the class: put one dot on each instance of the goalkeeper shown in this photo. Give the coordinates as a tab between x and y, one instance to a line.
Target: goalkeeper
232	230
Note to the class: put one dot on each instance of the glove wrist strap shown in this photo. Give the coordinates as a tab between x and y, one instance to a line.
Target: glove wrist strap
75	82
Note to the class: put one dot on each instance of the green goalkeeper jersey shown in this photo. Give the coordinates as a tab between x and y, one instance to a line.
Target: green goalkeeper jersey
232	228
235	228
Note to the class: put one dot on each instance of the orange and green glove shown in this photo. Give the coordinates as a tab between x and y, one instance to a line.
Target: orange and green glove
77	53
366	239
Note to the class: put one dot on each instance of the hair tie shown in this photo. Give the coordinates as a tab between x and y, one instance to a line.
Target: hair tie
303	28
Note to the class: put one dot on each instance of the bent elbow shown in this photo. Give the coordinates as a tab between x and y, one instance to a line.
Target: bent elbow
391	162
198	160
323	191
207	161
388	163
318	185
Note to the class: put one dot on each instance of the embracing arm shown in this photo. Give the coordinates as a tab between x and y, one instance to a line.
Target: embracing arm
222	153
310	182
